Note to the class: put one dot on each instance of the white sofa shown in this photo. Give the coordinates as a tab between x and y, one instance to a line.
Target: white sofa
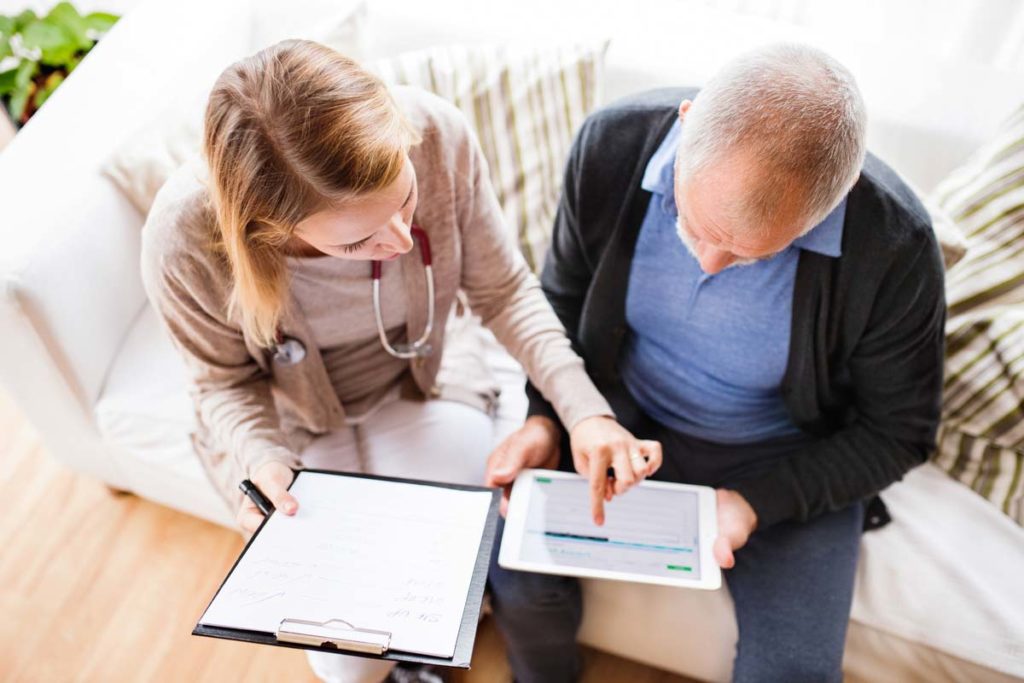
939	595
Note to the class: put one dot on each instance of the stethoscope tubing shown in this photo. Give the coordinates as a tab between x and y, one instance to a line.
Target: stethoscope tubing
289	351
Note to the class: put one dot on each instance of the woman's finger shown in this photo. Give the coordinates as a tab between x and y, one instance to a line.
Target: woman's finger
624	475
249	517
285	502
653	452
640	462
273	479
598	482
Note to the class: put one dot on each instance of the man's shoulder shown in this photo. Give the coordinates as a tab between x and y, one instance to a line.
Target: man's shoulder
649	103
887	207
892	188
629	123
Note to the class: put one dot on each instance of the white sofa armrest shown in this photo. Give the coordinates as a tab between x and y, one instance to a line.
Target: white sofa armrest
69	265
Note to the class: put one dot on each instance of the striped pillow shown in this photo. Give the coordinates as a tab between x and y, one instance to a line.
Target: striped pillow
525	105
981	441
986	199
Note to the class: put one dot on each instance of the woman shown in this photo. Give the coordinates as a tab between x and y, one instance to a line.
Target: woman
256	260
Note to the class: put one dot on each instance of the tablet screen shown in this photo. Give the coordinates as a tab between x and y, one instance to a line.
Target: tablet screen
649	531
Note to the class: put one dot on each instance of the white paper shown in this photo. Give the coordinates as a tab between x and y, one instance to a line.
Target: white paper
381	555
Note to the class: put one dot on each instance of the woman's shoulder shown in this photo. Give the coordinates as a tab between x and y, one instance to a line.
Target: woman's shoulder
448	151
430	114
180	225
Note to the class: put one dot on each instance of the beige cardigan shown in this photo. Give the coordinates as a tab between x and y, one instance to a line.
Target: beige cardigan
252	410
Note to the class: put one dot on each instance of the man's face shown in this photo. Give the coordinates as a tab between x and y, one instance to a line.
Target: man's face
711	222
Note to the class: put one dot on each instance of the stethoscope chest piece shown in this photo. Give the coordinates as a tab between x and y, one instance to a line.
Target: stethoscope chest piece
289	351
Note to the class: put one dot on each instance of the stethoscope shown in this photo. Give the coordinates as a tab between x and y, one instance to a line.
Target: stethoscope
289	350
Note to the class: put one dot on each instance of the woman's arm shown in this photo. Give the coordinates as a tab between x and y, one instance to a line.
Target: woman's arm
231	392
507	296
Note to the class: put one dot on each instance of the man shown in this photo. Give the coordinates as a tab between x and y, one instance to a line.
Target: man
749	287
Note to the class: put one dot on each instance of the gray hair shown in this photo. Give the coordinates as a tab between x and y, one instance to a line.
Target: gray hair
797	111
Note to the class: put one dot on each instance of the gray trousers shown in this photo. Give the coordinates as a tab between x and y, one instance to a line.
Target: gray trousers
792	585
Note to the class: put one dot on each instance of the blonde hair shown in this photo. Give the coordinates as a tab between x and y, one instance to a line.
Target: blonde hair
294	129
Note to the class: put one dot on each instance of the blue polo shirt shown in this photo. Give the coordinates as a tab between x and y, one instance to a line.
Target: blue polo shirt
706	354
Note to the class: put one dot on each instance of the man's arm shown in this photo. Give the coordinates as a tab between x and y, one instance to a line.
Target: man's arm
896	371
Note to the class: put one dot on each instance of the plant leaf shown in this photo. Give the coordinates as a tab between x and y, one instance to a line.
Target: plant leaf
16	106
24	19
24	87
8	81
6	26
56	43
49	85
25	72
100	22
65	16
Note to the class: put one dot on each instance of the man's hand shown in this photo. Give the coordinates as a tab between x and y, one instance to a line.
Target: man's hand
535	444
736	521
272	479
599	443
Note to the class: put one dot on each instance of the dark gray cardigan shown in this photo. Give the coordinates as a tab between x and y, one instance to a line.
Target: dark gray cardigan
864	375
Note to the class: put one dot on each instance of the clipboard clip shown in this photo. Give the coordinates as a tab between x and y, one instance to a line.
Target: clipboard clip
337	632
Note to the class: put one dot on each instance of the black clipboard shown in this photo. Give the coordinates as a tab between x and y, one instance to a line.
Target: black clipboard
470	615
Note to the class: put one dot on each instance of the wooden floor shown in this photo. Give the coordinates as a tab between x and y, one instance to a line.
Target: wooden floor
97	586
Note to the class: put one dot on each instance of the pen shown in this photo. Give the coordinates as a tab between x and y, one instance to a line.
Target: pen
249	489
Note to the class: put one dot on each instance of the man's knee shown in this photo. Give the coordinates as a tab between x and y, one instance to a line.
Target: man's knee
803	665
526	591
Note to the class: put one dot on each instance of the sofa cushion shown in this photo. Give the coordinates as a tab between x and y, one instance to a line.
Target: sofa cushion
144	408
937	590
981	441
985	197
945	573
525	105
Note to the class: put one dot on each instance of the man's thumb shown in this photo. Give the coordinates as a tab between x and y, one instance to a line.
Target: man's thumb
501	474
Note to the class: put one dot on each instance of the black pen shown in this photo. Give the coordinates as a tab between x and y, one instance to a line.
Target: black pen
256	496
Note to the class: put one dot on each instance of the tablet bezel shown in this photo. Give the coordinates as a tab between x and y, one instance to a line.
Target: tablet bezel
515	525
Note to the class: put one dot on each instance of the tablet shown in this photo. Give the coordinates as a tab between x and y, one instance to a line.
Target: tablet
655	533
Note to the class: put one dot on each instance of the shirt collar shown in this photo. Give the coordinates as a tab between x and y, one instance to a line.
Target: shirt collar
825	238
659	176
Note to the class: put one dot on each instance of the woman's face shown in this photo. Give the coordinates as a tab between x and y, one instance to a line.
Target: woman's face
374	226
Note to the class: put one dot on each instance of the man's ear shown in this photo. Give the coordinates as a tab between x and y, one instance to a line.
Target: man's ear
684	107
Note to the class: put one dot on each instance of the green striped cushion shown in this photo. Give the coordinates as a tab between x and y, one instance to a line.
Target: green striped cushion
986	199
525	104
981	440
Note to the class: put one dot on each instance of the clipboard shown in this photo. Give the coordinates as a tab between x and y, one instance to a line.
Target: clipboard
339	636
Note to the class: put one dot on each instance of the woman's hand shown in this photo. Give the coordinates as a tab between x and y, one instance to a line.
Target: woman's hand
272	479
599	443
535	444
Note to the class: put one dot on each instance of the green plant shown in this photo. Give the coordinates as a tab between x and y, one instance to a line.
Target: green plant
37	53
